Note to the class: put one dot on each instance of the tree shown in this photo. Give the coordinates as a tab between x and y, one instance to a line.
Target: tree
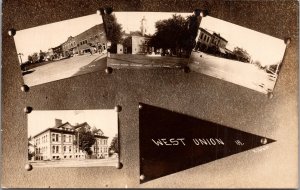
127	43
241	54
85	140
31	153
114	145
113	31
42	56
177	34
33	58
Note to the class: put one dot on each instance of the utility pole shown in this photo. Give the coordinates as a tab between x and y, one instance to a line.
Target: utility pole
20	54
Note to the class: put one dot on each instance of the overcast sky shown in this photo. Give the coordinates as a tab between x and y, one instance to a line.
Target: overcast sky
47	36
264	48
131	21
106	120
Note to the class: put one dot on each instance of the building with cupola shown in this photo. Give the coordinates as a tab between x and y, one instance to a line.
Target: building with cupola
135	42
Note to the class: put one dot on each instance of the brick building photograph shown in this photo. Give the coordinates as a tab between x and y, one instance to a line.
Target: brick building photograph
150	39
61	50
237	54
73	138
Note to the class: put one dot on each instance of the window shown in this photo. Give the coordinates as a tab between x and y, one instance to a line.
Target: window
65	148
70	138
53	149
201	36
57	149
70	148
64	138
56	137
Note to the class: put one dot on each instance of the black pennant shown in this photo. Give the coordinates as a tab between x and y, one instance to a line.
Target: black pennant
171	142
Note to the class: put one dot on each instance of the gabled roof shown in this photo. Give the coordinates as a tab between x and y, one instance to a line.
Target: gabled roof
80	125
59	129
64	124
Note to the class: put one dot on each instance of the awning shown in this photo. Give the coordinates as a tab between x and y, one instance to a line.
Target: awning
222	50
84	47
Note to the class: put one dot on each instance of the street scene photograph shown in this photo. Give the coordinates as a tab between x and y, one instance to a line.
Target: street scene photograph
150	39
61	50
73	138
237	54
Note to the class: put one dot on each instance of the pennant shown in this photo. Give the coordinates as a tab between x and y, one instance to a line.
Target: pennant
171	142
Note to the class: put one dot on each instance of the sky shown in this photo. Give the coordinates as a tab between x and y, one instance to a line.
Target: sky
106	120
131	21
43	37
261	47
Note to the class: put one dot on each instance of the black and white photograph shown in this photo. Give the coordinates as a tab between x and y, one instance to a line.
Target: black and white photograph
150	39
73	138
61	50
237	54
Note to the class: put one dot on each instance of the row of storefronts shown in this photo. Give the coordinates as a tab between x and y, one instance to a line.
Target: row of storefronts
90	41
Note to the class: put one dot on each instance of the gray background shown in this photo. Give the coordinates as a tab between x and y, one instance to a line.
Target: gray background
192	94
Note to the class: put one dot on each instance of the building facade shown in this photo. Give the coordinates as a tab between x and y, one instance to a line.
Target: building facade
58	143
210	39
90	41
136	42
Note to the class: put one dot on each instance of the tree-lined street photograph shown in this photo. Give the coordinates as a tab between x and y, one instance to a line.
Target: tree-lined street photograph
237	54
61	50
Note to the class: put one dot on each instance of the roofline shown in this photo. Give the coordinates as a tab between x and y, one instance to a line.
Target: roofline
219	36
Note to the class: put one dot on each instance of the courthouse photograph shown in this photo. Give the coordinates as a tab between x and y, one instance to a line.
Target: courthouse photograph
61	50
149	39
73	138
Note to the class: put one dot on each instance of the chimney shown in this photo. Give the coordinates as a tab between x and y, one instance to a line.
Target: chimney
58	122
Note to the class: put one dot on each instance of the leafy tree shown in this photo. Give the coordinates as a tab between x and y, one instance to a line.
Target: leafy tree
176	33
42	56
127	42
33	58
114	145
85	139
113	31
31	153
241	54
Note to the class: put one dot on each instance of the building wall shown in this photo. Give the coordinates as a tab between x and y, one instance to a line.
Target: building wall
139	44
205	38
211	39
59	145
42	148
94	36
120	49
